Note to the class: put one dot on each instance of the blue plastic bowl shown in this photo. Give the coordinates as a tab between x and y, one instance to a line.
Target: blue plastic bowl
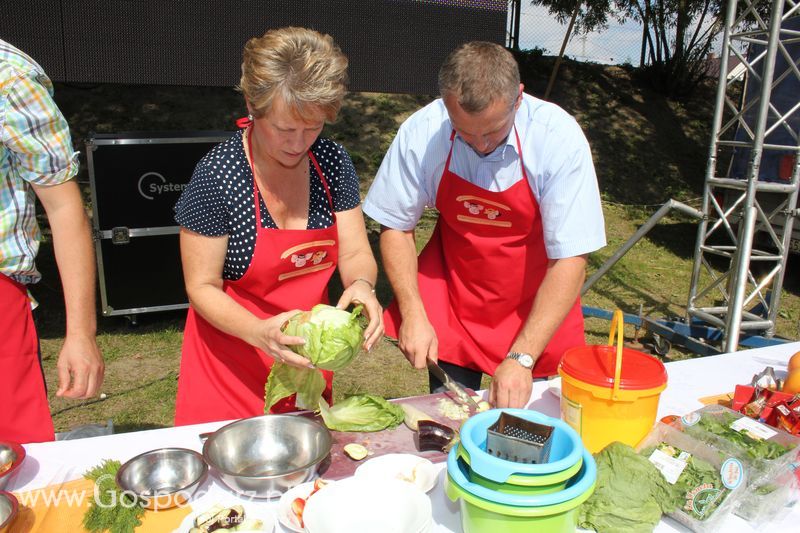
583	481
566	448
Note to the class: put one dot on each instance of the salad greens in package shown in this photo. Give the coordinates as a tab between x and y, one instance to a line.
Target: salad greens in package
672	474
705	483
738	434
333	338
765	453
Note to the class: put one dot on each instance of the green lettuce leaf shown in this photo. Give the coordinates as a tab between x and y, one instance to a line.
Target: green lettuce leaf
285	380
361	412
630	494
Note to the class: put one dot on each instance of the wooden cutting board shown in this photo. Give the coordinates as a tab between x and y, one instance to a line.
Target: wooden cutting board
61	507
398	440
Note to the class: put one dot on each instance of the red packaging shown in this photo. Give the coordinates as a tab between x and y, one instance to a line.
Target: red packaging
787	418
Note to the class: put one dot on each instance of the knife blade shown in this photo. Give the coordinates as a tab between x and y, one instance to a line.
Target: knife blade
462	395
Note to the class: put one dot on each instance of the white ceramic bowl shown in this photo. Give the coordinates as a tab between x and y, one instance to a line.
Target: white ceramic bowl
367	505
403	466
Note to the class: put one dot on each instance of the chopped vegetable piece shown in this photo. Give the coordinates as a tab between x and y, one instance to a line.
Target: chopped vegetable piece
355	451
298	506
434	436
413	416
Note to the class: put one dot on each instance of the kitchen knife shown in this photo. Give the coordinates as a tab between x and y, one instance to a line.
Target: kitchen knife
462	395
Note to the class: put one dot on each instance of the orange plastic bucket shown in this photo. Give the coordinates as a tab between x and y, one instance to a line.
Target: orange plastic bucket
610	393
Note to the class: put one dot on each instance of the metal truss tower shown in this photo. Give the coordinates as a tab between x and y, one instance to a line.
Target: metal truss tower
736	279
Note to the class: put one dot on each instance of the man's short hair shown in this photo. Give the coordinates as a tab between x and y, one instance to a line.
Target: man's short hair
478	73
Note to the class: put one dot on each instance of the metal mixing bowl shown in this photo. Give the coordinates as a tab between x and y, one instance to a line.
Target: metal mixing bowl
8	509
264	456
11	457
163	478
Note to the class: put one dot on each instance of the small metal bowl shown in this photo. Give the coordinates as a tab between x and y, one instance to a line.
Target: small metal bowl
8	509
163	478
264	456
11	457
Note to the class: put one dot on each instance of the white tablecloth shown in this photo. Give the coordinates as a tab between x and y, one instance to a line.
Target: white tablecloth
53	462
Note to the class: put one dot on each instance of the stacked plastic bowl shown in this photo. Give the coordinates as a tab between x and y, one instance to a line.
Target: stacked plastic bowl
496	494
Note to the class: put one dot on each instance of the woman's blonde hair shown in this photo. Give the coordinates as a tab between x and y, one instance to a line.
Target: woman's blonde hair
478	73
304	68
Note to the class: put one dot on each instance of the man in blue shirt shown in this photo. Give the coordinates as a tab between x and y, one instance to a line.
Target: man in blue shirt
496	289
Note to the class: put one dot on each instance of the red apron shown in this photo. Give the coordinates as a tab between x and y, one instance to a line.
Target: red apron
222	377
480	271
24	411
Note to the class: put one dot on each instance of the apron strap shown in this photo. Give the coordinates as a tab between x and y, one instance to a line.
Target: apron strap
249	133
324	181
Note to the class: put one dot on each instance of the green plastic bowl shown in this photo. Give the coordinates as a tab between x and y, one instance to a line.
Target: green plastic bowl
523	483
482	516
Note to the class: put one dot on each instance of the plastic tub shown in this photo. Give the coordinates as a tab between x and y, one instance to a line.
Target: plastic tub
548	513
610	393
709	499
521	483
566	448
768	456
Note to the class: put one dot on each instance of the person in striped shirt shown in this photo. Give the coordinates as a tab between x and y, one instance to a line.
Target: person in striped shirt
37	160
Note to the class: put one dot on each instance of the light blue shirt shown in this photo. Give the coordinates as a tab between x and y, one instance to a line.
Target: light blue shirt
558	163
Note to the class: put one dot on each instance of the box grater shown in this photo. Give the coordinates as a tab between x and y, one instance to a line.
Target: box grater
519	440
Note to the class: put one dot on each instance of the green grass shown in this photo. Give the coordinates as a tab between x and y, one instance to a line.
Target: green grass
646	151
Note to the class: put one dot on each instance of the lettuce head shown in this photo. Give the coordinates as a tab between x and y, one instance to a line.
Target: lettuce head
333	336
333	339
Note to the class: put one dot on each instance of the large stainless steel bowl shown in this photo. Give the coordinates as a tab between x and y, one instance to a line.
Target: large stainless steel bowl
163	478
11	457
264	456
8	509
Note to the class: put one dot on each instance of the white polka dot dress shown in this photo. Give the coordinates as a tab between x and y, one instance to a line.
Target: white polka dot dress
219	198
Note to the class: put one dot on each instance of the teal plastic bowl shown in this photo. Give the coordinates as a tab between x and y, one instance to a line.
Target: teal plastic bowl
549	513
566	447
520	483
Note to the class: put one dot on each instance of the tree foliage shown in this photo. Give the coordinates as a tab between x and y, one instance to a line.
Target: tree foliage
678	34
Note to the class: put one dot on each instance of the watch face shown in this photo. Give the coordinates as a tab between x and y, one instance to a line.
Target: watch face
526	360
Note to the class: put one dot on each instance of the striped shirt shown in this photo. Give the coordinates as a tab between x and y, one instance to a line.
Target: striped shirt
558	163
35	148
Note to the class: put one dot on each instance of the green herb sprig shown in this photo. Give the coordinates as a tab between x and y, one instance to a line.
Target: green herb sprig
110	509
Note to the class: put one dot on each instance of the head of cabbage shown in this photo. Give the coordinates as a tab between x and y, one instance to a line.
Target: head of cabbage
333	336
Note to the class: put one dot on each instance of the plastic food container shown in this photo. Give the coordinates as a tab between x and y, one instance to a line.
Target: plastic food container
610	393
487	511
566	448
522	483
768	456
714	482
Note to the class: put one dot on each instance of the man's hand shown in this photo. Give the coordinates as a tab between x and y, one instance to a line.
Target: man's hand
80	368
511	385
417	340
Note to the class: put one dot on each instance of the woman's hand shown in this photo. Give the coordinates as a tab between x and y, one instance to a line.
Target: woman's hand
360	292
269	337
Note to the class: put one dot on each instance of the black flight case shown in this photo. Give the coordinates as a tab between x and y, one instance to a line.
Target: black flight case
136	179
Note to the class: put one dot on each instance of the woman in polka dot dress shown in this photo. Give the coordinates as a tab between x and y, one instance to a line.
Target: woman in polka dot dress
266	219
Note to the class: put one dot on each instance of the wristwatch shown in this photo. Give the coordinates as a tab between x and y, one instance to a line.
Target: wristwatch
525	359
